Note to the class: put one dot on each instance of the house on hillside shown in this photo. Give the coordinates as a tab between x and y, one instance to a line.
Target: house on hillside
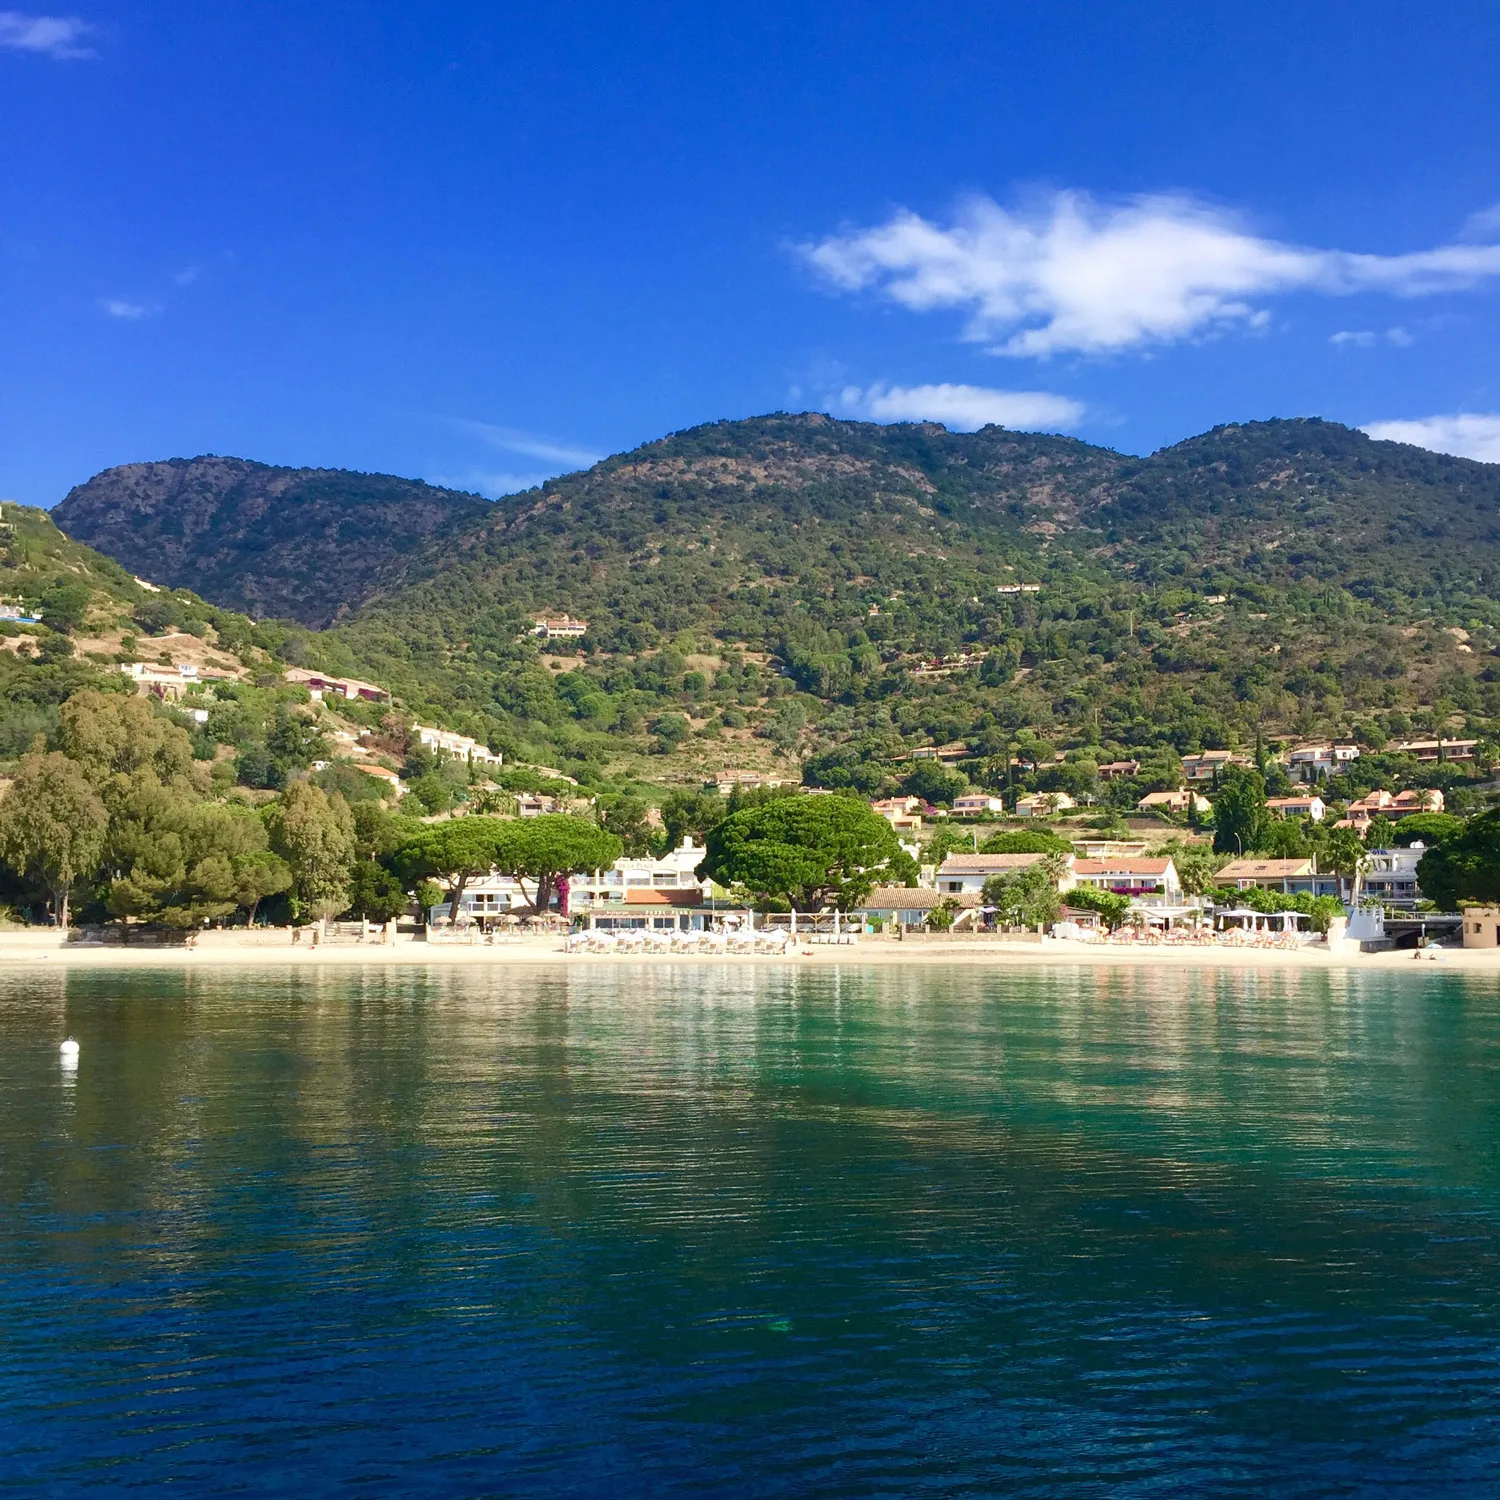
1394	806
1043	804
727	781
1205	766
559	627
386	777
1135	878
1118	770
1309	806
1430	750
321	685
962	874
1180	801
461	746
977	804
169	683
948	755
1292	877
1316	762
904	814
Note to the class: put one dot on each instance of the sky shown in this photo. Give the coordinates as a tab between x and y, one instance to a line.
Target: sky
485	243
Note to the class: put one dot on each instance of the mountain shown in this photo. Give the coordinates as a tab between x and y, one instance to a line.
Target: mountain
302	544
792	584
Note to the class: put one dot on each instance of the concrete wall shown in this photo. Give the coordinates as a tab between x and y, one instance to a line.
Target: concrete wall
1482	927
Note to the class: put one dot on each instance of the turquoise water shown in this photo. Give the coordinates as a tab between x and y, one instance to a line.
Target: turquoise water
624	1231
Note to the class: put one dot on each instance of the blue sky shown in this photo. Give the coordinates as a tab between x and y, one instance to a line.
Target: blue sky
485	243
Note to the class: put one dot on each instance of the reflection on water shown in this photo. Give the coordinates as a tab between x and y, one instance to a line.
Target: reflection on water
757	1231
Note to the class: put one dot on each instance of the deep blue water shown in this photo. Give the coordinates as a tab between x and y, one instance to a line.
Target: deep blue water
750	1231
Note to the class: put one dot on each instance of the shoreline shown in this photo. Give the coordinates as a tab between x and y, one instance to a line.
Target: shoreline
549	952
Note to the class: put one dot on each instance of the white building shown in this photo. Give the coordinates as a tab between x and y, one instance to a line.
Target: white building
1130	877
977	804
965	874
448	742
1391	875
1314	762
559	627
646	892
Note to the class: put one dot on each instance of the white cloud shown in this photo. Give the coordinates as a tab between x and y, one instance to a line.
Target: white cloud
188	275
528	444
1467	434
1363	339
488	483
130	312
1076	275
52	36
962	407
1399	337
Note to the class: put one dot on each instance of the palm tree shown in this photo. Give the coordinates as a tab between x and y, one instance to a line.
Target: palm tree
1347	859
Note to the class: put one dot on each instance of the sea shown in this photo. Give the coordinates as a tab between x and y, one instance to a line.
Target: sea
745	1230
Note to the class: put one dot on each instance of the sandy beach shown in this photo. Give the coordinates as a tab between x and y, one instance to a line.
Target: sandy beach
29	950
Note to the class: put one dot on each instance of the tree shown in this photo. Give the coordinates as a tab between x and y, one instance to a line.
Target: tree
806	852
1111	906
1465	867
625	817
943	915
685	812
112	737
1427	828
455	852
1240	817
376	895
182	863
1283	839
1381	833
1345	856
64	604
546	849
1027	897
314	834
933	783
53	826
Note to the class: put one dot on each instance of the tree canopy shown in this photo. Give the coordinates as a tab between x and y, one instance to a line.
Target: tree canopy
808	852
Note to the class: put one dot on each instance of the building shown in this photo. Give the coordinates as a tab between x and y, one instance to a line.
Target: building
1205	766
386	777
169	683
1314	762
1180	801
1394	806
631	893
728	781
1097	848
1428	750
559	627
646	892
1117	770
904	814
965	874
1018	588
1292	877
447	742
1391	875
1482	927
1130	877
18	614
977	804
909	906
1311	806
1042	804
322	685
948	755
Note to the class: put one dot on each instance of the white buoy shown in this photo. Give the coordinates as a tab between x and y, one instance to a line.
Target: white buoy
68	1053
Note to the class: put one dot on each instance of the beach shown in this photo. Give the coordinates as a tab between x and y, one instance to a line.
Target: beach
219	952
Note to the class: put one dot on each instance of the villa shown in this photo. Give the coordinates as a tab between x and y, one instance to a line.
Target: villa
1130	877
1311	806
1291	877
1042	804
965	874
461	746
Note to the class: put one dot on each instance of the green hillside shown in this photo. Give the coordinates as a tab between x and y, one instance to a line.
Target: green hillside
795	588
